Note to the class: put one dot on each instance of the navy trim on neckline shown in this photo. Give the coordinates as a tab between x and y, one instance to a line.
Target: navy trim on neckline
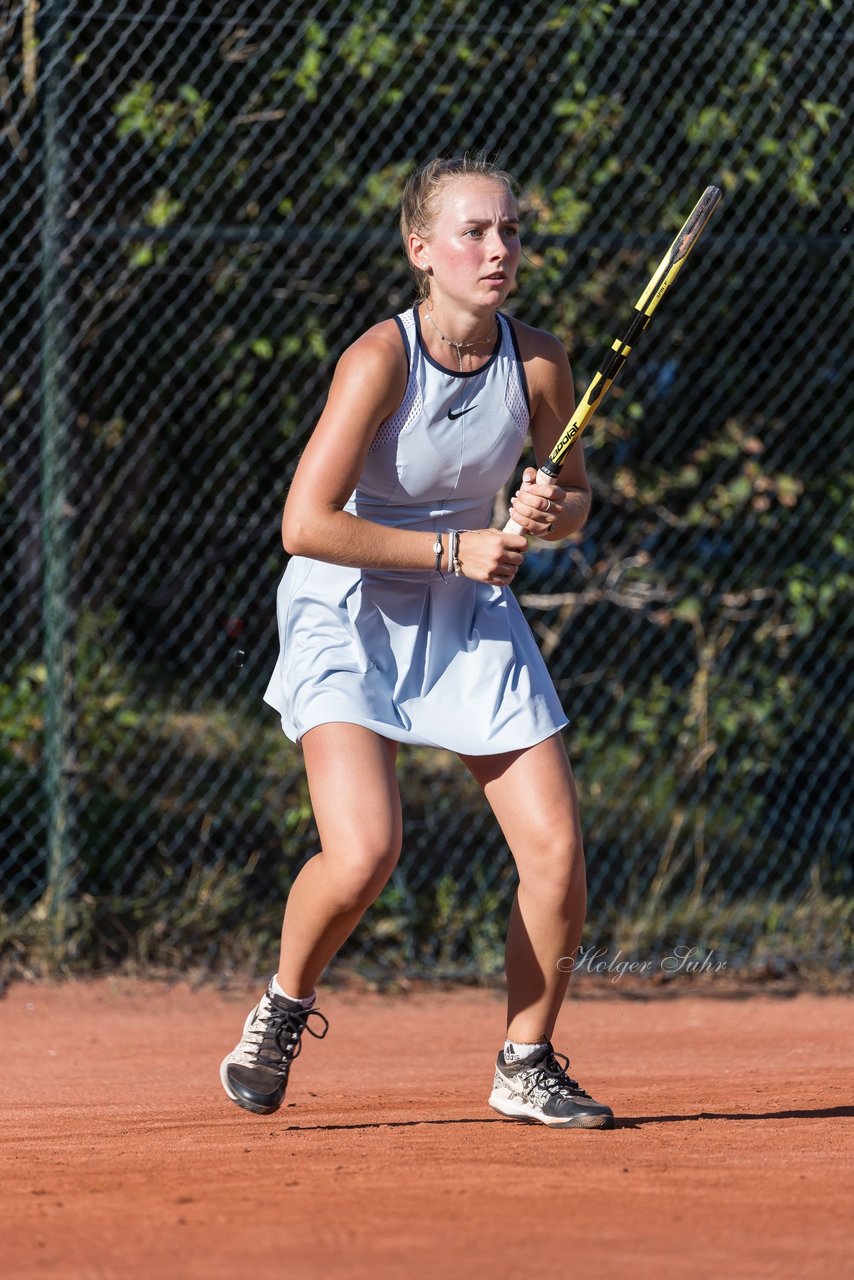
455	373
405	336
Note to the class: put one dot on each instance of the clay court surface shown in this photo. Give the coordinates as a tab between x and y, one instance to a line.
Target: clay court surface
121	1156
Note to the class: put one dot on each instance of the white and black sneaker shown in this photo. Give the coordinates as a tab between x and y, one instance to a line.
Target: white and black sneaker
255	1073
538	1088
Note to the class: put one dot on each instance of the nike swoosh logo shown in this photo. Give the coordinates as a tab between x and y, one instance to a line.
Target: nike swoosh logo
458	413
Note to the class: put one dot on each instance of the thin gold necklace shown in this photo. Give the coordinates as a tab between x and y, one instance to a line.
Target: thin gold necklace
460	347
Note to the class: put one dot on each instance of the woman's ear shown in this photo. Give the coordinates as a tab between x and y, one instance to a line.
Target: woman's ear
418	252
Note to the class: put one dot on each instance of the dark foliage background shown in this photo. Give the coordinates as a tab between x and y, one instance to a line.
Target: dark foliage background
198	214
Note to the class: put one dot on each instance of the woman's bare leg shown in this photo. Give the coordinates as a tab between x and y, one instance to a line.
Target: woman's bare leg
356	803
532	794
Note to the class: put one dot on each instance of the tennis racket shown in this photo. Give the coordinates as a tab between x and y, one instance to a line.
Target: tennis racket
664	275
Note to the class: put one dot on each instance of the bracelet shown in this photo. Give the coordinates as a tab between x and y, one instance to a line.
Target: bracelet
438	551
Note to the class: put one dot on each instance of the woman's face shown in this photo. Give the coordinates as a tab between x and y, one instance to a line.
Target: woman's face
474	244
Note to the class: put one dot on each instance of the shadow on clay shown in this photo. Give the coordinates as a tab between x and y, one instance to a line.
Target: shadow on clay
624	1122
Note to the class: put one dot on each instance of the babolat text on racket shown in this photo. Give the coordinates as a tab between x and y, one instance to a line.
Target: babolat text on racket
664	275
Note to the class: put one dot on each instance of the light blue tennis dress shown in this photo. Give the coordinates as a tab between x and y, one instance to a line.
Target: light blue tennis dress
420	657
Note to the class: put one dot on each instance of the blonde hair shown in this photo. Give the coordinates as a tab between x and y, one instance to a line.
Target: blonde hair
420	202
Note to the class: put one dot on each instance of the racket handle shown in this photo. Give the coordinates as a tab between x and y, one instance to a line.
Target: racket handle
542	477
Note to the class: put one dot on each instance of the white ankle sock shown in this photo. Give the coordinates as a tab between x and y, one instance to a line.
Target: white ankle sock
516	1052
305	1001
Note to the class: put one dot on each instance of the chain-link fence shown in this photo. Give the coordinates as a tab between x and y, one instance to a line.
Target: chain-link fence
198	214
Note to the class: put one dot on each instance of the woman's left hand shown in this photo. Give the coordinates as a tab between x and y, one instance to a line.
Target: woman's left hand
536	507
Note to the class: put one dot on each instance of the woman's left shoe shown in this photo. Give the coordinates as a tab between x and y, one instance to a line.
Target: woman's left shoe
538	1088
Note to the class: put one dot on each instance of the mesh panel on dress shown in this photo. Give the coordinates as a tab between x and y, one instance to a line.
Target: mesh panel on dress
403	417
514	398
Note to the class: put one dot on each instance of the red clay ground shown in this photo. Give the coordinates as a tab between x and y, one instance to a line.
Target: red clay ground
121	1157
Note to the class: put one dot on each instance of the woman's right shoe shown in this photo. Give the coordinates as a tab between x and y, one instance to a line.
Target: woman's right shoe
255	1073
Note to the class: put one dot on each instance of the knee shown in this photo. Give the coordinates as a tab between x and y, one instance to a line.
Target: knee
554	868
359	876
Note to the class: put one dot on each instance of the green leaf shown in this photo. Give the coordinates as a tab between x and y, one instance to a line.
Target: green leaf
687	610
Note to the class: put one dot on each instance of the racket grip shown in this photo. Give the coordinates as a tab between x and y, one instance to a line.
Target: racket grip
542	477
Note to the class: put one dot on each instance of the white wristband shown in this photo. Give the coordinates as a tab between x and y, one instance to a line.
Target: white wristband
454	561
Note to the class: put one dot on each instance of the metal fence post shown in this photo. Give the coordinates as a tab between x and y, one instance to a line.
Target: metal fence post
54	482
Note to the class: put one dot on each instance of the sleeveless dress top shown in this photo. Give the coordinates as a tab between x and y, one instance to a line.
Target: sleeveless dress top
416	656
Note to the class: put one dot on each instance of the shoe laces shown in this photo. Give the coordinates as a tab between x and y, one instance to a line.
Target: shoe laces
281	1040
551	1073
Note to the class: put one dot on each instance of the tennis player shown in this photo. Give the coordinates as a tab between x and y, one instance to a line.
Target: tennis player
397	624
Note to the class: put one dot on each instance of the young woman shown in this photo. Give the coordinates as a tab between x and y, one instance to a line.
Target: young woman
397	624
